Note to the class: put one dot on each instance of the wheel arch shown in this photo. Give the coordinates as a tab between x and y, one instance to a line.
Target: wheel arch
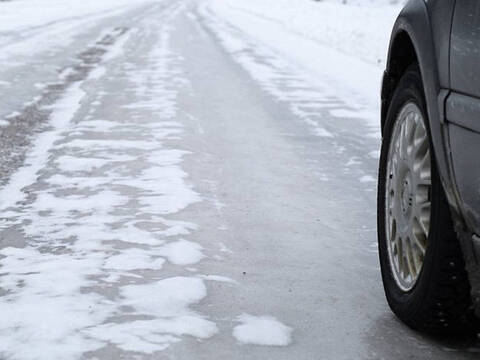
413	40
402	54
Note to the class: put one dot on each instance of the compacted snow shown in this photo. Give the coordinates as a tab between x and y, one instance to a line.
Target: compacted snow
194	179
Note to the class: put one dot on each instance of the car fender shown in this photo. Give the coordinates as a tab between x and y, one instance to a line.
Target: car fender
415	21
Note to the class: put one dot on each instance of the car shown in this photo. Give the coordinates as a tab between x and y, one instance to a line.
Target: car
428	201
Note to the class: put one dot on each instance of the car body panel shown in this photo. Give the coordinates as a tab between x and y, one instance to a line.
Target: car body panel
463	108
465	48
462	113
441	15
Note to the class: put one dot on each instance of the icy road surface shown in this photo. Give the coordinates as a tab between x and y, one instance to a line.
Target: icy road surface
175	187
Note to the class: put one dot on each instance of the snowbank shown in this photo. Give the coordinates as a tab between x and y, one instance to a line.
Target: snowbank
359	30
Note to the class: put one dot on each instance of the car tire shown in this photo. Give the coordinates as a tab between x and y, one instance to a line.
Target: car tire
439	299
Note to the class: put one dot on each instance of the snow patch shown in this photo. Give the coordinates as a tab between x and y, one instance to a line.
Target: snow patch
133	259
217	278
12	115
182	252
367	178
72	164
262	330
319	131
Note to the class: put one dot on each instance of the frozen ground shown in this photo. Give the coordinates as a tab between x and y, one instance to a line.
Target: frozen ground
194	180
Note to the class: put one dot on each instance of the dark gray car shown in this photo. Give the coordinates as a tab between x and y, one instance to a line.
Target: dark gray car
429	178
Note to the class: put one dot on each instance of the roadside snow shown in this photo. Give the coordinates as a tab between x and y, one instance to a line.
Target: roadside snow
338	46
314	101
33	14
362	31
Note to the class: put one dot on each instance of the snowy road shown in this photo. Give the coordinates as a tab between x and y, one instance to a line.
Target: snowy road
181	190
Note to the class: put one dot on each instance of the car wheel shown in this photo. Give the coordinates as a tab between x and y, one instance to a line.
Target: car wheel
422	265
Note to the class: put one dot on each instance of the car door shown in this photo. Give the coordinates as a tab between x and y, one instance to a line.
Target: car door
462	107
465	48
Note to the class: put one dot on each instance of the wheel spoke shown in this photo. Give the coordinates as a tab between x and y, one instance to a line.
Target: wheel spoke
400	256
404	141
410	262
420	241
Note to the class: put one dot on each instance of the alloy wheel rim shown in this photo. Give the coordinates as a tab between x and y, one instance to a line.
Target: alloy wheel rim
408	203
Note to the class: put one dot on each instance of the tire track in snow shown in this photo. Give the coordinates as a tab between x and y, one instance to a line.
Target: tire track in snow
17	136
